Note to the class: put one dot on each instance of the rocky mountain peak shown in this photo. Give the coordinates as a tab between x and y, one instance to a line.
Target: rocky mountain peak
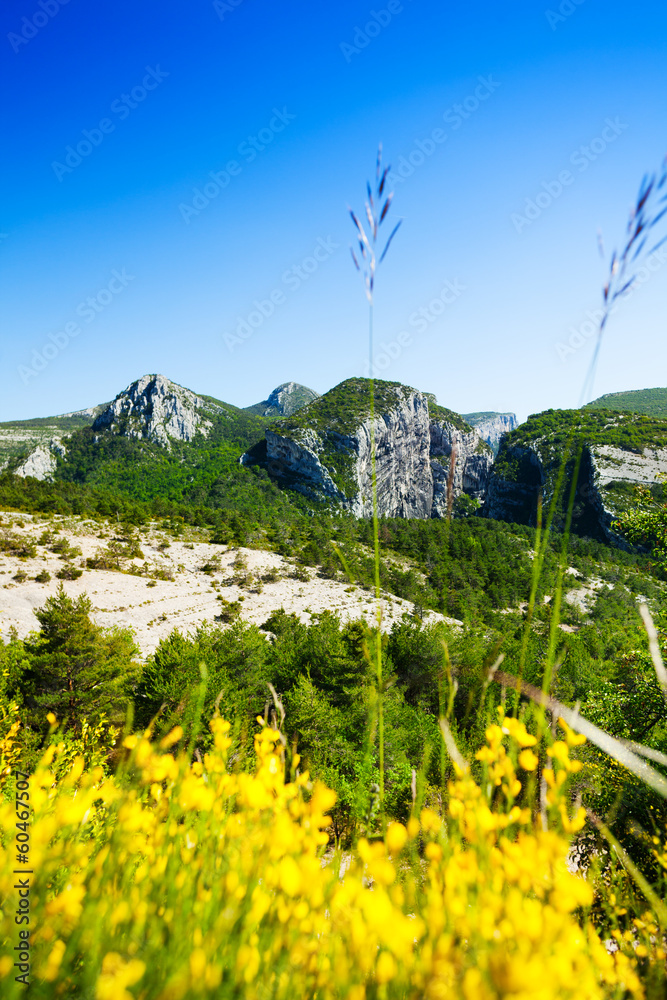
285	400
157	409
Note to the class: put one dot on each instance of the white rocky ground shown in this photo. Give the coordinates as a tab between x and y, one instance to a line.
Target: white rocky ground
585	595
154	607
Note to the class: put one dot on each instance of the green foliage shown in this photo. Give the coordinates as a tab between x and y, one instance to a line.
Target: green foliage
645	523
15	545
441	413
74	668
550	432
465	569
233	663
69	572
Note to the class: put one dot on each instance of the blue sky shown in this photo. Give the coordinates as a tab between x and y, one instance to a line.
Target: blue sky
213	148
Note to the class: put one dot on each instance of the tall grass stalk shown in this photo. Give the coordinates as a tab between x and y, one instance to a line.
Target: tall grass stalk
377	206
541	542
562	566
377	643
648	210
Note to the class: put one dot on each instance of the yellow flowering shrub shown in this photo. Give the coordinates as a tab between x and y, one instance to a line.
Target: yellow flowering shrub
181	880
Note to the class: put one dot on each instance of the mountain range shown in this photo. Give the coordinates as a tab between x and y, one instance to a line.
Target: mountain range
299	451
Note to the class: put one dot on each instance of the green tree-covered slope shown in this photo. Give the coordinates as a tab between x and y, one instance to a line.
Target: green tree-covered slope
652	402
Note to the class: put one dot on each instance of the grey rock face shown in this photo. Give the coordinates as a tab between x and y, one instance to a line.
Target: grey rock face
298	456
402	457
472	464
492	426
159	410
609	466
598	500
41	463
412	461
290	397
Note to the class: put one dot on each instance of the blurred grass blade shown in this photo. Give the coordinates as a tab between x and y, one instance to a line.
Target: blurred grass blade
648	752
452	748
647	890
654	648
609	744
395	230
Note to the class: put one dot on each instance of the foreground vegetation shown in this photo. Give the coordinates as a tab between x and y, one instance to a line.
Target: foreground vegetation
177	878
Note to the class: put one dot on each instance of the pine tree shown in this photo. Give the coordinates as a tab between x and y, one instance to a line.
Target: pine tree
78	669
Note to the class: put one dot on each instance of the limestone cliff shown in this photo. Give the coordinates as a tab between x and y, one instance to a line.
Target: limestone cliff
325	450
491	426
158	410
472	463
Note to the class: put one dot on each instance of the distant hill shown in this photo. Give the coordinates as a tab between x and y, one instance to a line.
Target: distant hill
652	402
285	400
18	437
156	441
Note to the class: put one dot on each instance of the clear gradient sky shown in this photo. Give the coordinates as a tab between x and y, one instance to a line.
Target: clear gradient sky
285	102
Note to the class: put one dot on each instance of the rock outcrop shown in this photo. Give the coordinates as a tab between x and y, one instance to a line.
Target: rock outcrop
90	413
327	452
41	463
491	426
158	410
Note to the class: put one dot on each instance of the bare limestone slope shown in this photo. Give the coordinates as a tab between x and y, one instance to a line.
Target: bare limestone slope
176	584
